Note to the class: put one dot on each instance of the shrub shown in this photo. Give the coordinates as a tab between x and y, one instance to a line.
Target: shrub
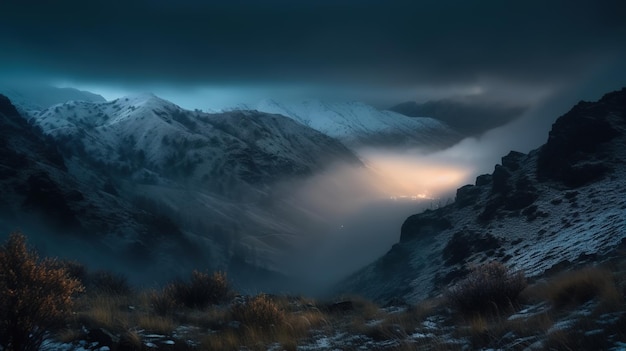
260	312
578	287
109	283
163	302
35	296
487	288
203	290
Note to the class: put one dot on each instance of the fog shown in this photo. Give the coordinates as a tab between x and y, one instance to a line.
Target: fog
365	207
362	209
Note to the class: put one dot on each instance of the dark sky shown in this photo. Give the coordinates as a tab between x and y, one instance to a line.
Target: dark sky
375	47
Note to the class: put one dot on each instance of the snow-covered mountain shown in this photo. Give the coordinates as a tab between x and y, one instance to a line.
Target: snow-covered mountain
149	137
357	124
559	205
69	214
217	177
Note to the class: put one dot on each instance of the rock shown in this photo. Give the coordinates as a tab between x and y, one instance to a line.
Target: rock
573	154
500	183
467	195
512	160
423	225
484	179
102	337
466	243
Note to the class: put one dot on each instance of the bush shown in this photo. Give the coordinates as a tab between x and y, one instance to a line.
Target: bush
488	288
259	312
203	290
109	283
35	296
163	303
577	287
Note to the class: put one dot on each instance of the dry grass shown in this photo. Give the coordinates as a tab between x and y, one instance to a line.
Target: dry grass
489	288
260	313
225	341
577	287
264	321
154	324
109	312
131	341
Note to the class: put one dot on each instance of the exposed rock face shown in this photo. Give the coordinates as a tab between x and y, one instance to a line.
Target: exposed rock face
423	225
523	214
575	154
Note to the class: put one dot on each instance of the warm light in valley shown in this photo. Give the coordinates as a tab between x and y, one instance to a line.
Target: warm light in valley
407	176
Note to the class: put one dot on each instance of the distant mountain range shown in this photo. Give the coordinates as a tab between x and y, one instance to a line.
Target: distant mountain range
359	125
141	178
557	206
467	116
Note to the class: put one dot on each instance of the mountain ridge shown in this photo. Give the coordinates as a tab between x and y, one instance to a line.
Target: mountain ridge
357	124
216	179
536	211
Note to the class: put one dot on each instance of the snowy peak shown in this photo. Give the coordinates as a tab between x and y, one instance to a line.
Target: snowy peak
148	100
255	145
358	124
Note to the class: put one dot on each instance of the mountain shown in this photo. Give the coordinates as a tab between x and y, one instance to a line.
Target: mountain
560	205
41	196
357	124
39	97
143	133
468	117
217	178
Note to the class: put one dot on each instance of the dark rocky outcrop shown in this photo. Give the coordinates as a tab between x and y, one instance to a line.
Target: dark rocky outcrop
466	243
423	225
574	153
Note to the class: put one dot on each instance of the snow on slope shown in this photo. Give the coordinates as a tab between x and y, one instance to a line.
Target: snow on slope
211	171
156	134
561	204
358	124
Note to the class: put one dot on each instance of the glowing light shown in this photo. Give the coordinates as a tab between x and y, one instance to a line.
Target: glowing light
409	176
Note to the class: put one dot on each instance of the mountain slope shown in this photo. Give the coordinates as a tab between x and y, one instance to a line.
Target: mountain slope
357	124
218	177
143	132
69	216
562	203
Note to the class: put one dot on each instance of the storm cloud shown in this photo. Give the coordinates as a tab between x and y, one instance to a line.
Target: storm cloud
390	44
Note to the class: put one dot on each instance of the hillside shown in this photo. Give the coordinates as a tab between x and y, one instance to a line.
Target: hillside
218	178
560	205
359	125
42	196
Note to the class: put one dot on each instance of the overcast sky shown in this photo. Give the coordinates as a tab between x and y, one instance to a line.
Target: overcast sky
381	51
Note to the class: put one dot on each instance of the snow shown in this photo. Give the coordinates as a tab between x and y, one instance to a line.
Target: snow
196	163
593	222
354	123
